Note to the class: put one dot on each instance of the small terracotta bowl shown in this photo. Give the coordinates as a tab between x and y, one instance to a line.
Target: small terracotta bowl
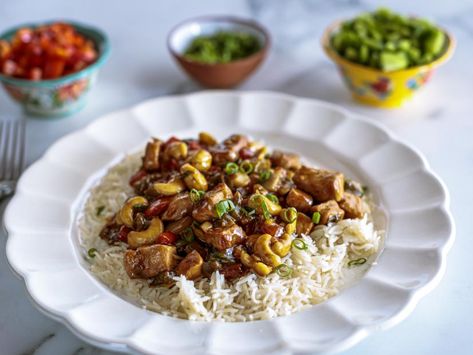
220	75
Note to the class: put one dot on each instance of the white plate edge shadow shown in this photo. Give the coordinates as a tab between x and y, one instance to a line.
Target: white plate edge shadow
361	331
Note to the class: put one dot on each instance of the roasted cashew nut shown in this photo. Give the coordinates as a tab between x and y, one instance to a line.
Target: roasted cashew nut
194	178
125	215
283	244
176	150
202	160
170	188
262	248
249	261
148	236
207	138
239	180
290	228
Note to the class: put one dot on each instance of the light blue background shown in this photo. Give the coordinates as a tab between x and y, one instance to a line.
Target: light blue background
439	122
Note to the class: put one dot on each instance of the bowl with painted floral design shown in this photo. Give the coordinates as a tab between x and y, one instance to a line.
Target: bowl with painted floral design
374	87
60	96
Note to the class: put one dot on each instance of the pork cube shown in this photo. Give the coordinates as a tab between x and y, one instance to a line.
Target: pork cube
322	184
149	261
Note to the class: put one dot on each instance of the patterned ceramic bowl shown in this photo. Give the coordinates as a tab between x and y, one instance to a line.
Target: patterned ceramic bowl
382	89
62	96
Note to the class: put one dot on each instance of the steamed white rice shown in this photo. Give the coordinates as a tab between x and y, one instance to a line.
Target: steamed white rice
317	271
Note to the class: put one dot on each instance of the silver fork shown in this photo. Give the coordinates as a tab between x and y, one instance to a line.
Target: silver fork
12	154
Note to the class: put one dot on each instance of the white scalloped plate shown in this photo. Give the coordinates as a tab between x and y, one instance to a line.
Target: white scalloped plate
42	245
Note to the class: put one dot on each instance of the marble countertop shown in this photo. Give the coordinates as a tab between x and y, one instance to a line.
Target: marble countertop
438	122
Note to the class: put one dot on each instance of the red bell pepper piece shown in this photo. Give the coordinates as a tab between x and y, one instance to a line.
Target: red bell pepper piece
157	207
137	177
167	238
246	153
123	233
172	140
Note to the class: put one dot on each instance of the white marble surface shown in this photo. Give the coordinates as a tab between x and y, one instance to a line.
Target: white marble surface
439	122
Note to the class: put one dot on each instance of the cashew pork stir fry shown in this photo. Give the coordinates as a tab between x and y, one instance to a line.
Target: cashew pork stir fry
202	206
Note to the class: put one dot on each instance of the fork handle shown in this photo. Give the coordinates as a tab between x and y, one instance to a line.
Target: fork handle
6	188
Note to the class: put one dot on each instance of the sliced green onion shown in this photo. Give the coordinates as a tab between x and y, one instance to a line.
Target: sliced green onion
265	209
283	270
246	167
289	215
264	175
316	217
100	210
248	211
223	207
231	168
91	252
260	200
188	235
195	195
364	190
357	262
220	256
181	243
299	244
273	198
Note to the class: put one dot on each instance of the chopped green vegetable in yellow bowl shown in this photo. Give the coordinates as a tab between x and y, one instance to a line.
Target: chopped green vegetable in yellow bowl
385	57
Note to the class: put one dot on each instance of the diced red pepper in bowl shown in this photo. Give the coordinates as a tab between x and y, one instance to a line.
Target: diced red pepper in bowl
46	52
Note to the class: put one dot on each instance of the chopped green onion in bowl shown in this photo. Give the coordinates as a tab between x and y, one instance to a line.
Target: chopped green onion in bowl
222	47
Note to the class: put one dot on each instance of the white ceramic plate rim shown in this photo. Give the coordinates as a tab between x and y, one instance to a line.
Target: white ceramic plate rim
135	340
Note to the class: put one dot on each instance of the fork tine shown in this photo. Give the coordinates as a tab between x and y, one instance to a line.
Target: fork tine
11	149
11	141
4	143
18	150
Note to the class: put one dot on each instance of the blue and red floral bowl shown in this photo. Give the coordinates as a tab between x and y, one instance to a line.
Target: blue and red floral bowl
62	96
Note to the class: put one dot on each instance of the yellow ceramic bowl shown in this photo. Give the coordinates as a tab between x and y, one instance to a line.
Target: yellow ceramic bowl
382	89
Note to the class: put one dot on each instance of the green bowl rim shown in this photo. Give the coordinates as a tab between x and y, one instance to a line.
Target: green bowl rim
102	42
